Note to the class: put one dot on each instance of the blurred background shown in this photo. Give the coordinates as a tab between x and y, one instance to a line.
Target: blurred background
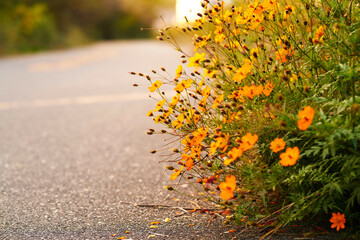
35	25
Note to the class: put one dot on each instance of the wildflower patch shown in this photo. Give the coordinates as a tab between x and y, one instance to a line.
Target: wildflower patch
266	121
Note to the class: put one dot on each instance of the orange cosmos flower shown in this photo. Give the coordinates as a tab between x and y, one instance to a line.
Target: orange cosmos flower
189	164
319	35
290	156
155	85
242	72
248	141
338	221
227	188
251	91
268	88
176	173
220	143
306	117
277	145
284	54
233	154
200	134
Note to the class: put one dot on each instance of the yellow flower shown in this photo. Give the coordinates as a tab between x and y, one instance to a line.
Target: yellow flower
255	22
196	60
206	92
166	114
159	105
178	72
176	173
254	53
269	4
157	119
175	99
319	32
293	77
203	42
150	114
218	101
220	38
155	85
182	85
189	162
288	11
196	118
243	71
202	105
178	122
209	73
227	16
227	188
256	7
218	30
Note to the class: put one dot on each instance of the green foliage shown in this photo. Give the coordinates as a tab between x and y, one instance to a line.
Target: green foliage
33	25
26	28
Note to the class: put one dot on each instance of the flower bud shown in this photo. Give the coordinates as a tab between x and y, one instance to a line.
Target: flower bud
169	188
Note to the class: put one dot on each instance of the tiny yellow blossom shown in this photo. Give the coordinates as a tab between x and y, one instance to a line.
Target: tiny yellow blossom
155	85
178	72
159	105
196	60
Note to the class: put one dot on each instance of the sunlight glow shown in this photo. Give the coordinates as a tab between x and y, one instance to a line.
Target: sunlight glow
188	8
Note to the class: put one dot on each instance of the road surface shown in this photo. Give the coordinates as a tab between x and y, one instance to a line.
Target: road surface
74	156
73	148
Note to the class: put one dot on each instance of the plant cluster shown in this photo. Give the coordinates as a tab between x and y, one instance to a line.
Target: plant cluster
265	119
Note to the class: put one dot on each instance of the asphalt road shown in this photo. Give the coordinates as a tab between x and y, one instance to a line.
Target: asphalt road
74	156
73	148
